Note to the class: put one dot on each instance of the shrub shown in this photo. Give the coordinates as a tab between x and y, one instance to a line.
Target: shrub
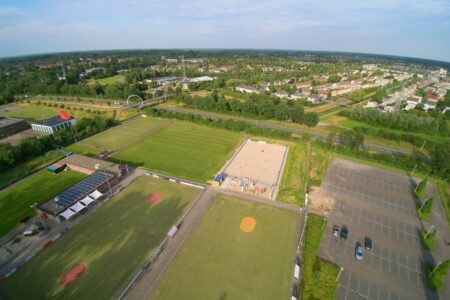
428	241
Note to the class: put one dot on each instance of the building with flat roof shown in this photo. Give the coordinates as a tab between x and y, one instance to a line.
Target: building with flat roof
10	126
53	124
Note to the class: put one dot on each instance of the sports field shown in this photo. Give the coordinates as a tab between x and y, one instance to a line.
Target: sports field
125	135
183	149
108	80
227	257
112	243
32	112
15	202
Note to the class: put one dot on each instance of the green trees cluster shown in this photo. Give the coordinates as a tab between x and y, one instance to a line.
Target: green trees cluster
351	139
262	106
403	121
31	147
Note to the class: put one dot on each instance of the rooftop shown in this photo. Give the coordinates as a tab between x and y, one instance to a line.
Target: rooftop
4	122
53	121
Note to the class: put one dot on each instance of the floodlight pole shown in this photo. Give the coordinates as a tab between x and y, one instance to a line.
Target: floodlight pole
40	216
339	275
423	204
414	170
428	231
435	268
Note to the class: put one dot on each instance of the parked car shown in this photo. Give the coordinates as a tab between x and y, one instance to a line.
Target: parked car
368	243
359	251
336	231
344	233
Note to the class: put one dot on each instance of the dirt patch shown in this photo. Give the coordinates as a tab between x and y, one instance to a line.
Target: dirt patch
154	198
321	201
72	275
248	224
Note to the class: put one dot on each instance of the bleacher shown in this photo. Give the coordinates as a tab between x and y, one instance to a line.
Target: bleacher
82	188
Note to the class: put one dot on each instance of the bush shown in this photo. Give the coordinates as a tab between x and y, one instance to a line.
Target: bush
437	274
419	191
423	211
429	242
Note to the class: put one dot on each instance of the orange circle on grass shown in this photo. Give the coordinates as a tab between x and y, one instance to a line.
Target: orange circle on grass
155	197
248	224
72	275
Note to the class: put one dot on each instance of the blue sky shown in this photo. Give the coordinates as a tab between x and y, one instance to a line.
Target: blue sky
399	27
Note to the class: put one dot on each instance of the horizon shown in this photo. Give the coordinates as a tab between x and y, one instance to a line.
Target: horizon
411	29
444	64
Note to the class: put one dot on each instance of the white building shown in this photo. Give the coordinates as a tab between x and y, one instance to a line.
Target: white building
53	125
247	89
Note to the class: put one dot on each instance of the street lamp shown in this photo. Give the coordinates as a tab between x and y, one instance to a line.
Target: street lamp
435	268
339	275
40	216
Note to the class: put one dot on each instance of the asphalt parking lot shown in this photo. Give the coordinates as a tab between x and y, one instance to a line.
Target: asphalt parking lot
378	204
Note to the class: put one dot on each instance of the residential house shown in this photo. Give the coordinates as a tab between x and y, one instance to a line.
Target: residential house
247	89
281	94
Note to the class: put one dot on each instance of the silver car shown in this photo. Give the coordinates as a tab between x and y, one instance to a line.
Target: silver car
359	251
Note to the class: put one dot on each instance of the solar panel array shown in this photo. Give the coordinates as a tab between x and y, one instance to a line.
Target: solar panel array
82	188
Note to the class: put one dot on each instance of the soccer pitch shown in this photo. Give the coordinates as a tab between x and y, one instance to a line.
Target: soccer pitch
222	261
113	242
183	149
125	135
15	202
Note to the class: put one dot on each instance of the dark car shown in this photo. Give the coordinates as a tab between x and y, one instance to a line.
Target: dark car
368	243
358	251
336	230
344	233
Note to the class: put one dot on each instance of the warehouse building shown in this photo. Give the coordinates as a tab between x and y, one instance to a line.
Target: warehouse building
53	124
9	126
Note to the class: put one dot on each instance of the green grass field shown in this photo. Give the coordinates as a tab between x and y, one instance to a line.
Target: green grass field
114	241
32	112
295	177
219	261
108	80
124	136
319	162
319	276
184	149
15	202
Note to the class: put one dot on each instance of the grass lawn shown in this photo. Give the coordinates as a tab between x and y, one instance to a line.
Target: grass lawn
319	162
25	169
295	177
444	193
219	261
184	149
319	276
108	80
113	242
15	201
124	136
32	112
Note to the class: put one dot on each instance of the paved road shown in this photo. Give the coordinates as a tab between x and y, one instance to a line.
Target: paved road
141	288
314	135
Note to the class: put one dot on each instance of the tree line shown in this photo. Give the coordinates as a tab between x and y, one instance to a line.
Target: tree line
402	121
261	106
